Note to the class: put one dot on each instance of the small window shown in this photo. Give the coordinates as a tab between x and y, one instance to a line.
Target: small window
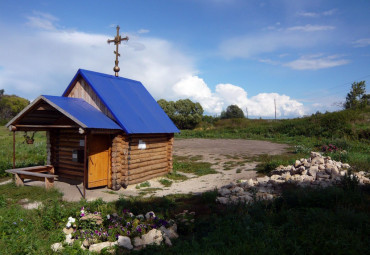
82	143
78	156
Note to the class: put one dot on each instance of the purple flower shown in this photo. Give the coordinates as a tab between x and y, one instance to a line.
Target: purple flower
96	231
128	233
138	229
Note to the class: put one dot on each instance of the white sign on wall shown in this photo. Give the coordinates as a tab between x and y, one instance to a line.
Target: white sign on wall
142	145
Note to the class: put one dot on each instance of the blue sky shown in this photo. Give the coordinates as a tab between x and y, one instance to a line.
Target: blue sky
303	54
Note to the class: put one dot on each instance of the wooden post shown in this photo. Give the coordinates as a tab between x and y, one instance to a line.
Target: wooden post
85	166
13	149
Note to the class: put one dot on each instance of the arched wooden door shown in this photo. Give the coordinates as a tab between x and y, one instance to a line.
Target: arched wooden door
99	160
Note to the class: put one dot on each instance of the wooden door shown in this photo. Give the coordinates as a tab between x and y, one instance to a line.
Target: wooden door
99	160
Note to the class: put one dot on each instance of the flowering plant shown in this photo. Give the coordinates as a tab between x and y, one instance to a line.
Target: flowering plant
330	148
95	228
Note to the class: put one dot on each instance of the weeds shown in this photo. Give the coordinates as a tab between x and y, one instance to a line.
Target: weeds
165	182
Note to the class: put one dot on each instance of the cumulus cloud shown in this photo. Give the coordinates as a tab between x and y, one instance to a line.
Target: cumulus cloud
261	105
316	62
50	56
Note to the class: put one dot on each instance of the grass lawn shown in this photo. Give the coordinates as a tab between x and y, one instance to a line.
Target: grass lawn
303	221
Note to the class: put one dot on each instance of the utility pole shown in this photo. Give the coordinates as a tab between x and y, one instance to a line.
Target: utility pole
246	108
275	107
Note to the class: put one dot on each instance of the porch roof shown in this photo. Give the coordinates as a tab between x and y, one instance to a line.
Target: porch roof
75	109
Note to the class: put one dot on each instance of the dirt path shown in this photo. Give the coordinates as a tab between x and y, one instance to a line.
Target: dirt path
229	157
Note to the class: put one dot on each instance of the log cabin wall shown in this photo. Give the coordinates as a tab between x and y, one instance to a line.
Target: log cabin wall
119	161
63	143
149	156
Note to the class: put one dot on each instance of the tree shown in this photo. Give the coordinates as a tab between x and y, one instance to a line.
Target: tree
10	105
232	112
184	113
356	98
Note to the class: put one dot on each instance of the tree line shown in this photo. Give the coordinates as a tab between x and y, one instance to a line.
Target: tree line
185	113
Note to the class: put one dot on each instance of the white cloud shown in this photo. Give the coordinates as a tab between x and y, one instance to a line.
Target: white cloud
308	14
50	56
311	28
315	62
317	14
41	20
261	105
298	37
143	31
362	43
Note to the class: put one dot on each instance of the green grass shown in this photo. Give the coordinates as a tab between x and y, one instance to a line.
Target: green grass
143	185
188	165
176	176
165	182
26	154
333	220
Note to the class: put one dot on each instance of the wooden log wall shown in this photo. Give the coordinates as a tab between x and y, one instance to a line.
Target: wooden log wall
119	162
153	161
62	144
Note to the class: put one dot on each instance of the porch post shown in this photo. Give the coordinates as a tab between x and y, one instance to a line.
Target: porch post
85	165
13	149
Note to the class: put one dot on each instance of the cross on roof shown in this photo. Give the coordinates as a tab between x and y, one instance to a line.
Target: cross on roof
117	40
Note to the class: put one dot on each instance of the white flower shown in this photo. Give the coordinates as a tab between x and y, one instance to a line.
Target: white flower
108	216
68	224
71	220
82	211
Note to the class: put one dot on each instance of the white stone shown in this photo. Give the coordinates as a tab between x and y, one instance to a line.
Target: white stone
345	166
69	239
169	232
154	236
68	231
315	154
304	172
313	171
321	167
167	241
149	215
251	182
246	199
317	161
97	247
263	179
297	163
34	205
56	247
224	192
125	241
140	216
286	176
237	190
275	177
222	200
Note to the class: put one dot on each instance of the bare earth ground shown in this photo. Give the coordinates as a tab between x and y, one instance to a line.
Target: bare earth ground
227	156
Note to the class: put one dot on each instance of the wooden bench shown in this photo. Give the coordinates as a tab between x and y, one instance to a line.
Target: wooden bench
37	173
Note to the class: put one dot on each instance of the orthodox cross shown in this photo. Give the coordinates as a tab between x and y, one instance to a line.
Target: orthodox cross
117	40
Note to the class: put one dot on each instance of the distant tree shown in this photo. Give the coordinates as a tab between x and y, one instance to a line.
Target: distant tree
356	98
10	105
184	113
232	112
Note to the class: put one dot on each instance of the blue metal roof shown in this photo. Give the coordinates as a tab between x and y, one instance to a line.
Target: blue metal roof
81	112
135	110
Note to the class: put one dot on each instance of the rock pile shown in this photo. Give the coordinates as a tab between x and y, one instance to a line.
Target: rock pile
315	171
